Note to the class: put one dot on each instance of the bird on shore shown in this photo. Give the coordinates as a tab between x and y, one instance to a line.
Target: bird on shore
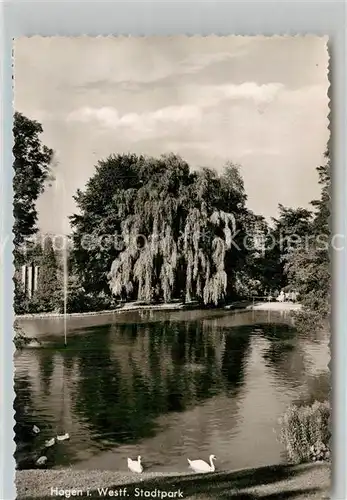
201	465
49	443
41	461
63	437
135	465
36	429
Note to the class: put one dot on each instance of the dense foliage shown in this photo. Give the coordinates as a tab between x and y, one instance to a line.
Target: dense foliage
46	297
286	233
48	278
32	169
308	266
150	229
31	166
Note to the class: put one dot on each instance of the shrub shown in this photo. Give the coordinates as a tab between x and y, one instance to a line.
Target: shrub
305	432
307	320
20	300
20	340
79	301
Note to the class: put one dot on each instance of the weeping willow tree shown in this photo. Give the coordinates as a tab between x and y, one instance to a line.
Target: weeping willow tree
157	231
177	234
204	254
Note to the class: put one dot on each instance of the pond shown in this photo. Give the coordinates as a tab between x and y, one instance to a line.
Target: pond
164	385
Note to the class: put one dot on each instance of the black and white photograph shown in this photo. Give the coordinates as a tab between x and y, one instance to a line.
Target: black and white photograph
171	267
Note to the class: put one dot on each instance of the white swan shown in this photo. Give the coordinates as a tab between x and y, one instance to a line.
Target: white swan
63	437
135	465
36	430
41	461
201	465
50	442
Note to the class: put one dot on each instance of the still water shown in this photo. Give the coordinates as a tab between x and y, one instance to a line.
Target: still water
164	385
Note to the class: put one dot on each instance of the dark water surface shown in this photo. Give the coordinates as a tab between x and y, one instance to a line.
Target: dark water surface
166	386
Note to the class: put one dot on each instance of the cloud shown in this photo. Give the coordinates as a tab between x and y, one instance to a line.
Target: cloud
209	99
198	61
260	151
154	67
141	123
87	62
249	91
202	98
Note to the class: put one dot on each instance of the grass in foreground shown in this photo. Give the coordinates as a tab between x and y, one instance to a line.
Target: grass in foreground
272	482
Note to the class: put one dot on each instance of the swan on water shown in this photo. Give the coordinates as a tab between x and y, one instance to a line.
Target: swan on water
36	430
201	465
41	461
135	465
50	442
63	437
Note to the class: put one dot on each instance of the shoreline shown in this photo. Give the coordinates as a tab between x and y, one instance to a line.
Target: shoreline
307	481
276	306
125	308
257	306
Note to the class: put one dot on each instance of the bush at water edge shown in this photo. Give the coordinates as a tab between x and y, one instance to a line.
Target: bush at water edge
305	432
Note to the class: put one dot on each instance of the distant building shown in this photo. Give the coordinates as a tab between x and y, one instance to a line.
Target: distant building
30	275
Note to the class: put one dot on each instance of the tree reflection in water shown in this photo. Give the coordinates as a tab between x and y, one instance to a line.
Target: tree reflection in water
161	368
237	346
122	379
283	354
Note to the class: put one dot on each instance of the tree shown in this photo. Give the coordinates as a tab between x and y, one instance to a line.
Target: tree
322	206
48	279
308	267
31	165
254	272
21	300
290	230
158	231
96	227
188	221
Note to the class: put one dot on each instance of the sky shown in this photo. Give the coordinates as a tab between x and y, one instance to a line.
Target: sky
260	102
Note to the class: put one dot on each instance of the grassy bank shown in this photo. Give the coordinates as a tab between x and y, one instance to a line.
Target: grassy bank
275	306
131	306
272	482
174	306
